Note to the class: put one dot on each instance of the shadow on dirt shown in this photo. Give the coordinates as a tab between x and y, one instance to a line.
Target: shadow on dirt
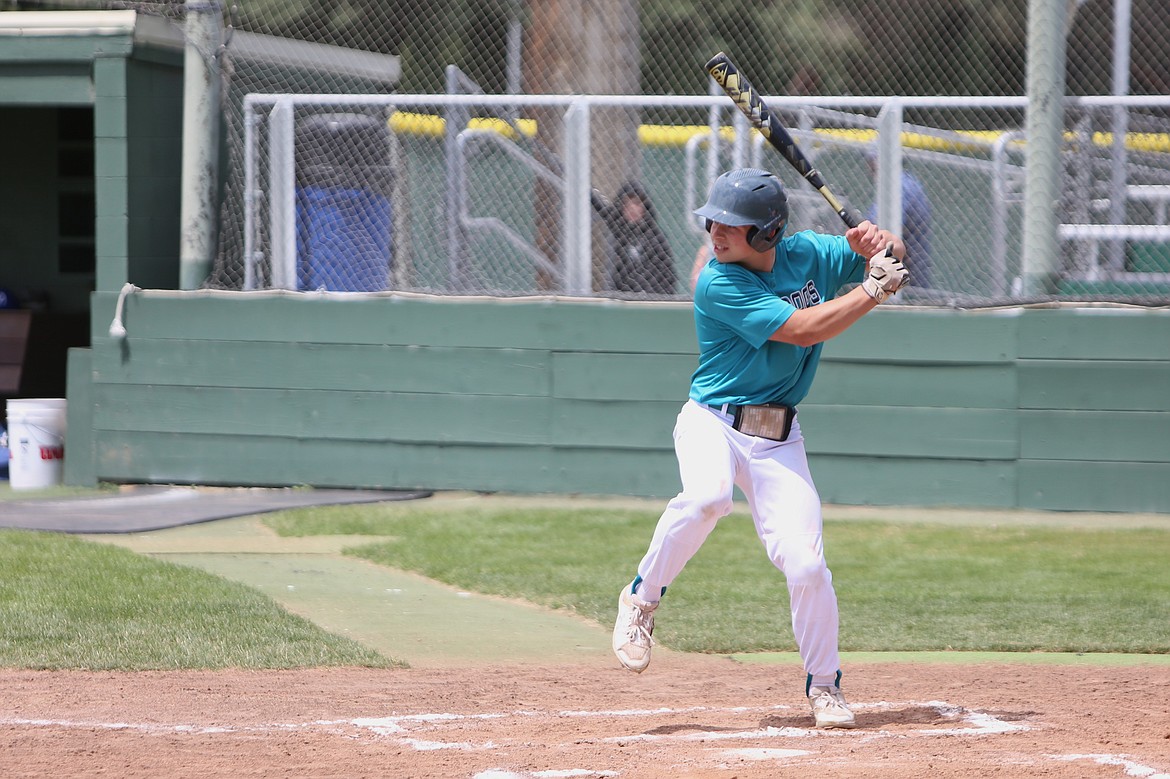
691	727
873	718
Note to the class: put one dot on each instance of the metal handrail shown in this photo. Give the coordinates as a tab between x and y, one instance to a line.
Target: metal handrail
464	141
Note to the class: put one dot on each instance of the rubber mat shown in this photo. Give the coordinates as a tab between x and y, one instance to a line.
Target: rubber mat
140	509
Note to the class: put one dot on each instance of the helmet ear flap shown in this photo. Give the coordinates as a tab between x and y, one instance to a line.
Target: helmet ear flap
765	239
762	240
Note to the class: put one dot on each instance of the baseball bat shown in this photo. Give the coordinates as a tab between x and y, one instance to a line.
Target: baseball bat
747	99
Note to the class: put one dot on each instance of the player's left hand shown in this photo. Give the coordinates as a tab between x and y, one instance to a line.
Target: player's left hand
867	239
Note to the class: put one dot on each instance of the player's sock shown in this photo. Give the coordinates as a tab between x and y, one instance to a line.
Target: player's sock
823	680
639	589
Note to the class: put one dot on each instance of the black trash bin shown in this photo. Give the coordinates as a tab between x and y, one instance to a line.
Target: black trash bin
344	219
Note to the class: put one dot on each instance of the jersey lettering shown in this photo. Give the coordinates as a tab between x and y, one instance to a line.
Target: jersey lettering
804	297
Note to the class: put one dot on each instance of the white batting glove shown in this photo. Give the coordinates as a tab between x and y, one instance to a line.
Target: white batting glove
886	276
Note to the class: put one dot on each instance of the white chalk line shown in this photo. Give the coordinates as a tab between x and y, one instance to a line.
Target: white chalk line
569	773
766	754
408	727
1131	768
411	730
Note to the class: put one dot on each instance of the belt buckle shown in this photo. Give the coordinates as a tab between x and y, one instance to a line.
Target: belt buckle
769	420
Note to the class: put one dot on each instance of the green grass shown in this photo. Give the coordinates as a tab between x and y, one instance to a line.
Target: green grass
901	586
69	603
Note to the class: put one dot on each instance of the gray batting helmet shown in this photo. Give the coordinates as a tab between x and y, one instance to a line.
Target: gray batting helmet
749	196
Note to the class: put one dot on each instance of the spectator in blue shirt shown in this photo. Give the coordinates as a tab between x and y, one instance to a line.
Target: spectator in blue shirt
915	226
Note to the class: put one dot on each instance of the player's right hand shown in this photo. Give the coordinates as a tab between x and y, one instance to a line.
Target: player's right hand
886	276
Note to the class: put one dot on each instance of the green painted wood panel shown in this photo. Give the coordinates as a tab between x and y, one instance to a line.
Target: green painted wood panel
258	461
172	458
316	414
1094	486
1118	385
892	431
109	121
111	256
78	468
896	481
362	416
1120	436
355	367
269	460
387	318
623	376
67	48
638	472
1096	334
109	78
46	84
901	334
913	384
111	161
616	424
331	319
170	57
156	107
624	326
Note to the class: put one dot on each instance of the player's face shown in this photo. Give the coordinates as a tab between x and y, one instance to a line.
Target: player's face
730	243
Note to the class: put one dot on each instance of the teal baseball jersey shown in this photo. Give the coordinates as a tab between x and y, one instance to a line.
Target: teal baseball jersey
737	309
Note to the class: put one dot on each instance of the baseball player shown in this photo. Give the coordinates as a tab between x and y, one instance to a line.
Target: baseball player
764	306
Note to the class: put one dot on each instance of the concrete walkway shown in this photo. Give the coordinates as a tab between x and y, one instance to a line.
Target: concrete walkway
402	615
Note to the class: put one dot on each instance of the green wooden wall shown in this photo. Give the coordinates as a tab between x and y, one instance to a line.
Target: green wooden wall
138	144
1033	408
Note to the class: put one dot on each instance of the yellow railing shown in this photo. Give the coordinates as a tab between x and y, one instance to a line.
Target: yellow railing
408	123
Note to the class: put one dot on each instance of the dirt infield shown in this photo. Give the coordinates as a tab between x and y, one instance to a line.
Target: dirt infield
685	717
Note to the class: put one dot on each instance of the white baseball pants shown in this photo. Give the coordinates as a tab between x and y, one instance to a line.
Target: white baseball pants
786	510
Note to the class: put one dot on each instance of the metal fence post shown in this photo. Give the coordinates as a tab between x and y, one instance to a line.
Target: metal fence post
455	118
578	228
204	36
889	172
1119	178
283	202
1045	125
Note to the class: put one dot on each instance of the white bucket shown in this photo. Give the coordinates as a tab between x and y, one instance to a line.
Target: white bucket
36	442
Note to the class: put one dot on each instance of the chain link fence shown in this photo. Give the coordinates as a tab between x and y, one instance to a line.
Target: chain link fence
437	146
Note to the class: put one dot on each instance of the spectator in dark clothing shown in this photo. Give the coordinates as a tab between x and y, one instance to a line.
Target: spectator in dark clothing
640	259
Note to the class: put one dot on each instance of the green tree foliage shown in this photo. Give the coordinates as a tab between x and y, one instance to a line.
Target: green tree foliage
873	47
926	47
831	47
1090	52
427	34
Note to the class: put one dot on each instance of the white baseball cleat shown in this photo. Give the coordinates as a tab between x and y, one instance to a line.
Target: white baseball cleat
632	631
830	708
